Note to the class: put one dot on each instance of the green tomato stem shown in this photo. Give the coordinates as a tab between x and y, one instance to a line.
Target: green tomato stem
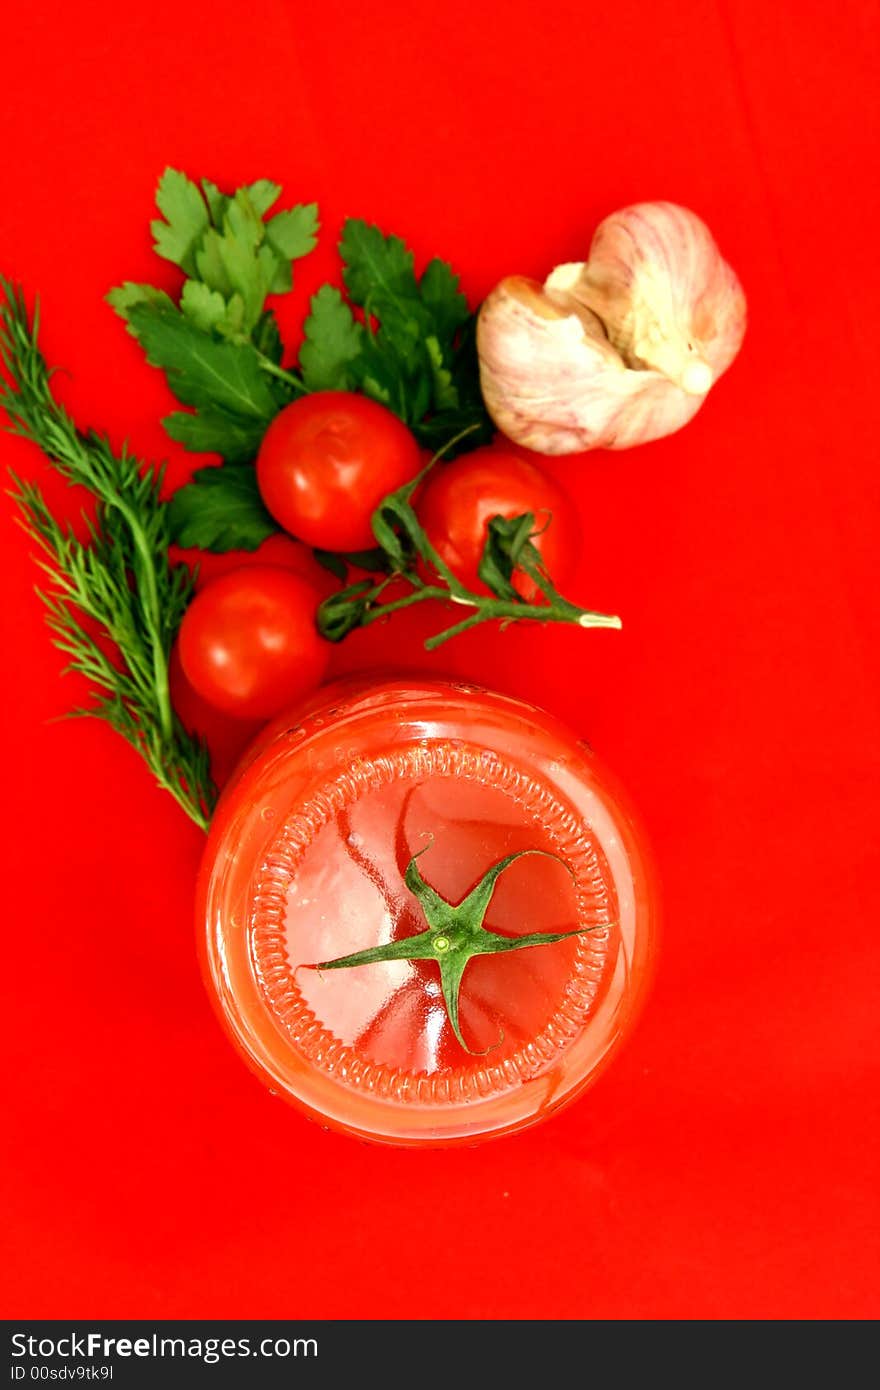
402	539
486	609
455	933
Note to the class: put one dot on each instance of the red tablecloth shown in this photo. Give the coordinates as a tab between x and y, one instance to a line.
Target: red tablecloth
726	1165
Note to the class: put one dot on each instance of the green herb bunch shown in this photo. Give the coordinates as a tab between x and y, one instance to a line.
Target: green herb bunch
407	342
117	586
115	600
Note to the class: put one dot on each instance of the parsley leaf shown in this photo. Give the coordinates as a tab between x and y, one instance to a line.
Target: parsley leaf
214	431
220	510
333	342
202	369
419	359
266	338
219	347
291	235
205	307
186	219
444	301
405	340
128	295
378	268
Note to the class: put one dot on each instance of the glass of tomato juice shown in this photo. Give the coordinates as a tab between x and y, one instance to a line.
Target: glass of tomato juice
306	864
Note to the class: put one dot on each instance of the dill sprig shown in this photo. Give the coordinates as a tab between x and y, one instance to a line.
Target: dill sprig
120	579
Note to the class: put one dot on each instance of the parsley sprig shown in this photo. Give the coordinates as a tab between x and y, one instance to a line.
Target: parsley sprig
414	347
119	580
404	557
218	344
405	340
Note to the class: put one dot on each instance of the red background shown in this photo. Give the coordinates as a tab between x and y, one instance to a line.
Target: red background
726	1165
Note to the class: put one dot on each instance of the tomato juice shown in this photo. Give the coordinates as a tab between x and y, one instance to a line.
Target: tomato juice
305	863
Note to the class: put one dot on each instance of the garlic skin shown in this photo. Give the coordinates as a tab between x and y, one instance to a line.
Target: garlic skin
620	349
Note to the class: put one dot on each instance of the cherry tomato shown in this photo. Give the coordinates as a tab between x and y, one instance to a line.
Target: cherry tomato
459	500
248	641
326	462
309	861
278	550
227	737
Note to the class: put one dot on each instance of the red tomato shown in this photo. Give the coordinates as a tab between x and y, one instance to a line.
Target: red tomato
278	550
227	737
460	499
327	461
307	862
248	641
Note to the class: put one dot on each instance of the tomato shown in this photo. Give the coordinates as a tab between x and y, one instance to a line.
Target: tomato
327	461
278	549
248	642
227	737
309	860
459	500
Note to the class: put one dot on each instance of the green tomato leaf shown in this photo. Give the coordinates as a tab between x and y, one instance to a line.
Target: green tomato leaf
186	219
220	510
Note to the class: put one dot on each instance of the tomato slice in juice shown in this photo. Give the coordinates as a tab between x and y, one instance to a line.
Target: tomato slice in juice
306	863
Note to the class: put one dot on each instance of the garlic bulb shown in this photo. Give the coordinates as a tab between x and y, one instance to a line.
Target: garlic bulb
620	349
